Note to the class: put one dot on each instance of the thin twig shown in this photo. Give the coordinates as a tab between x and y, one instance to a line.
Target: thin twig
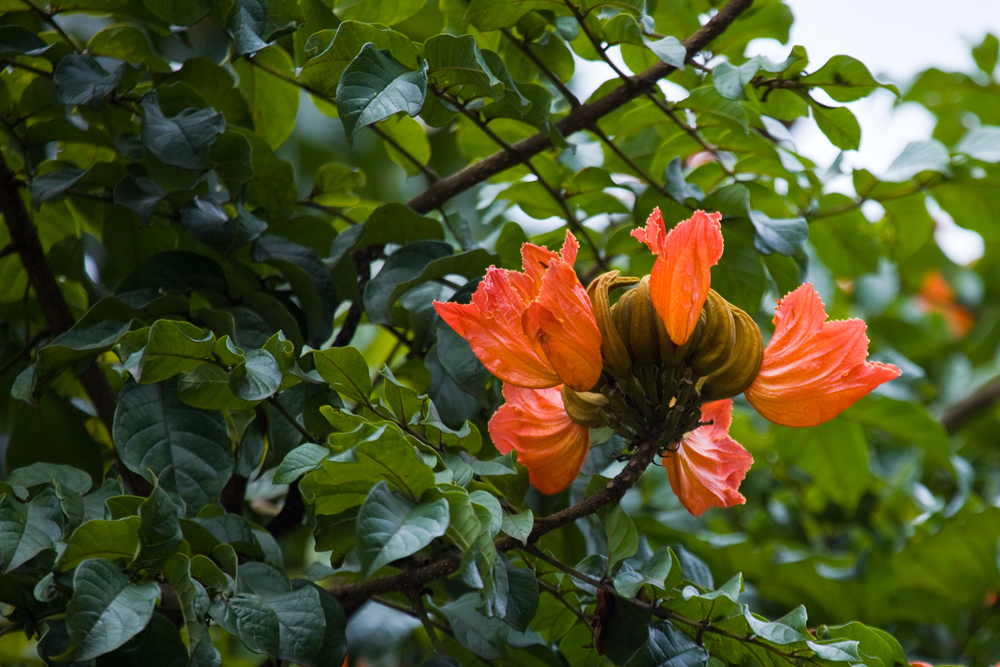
554	592
417	600
655	184
49	18
540	64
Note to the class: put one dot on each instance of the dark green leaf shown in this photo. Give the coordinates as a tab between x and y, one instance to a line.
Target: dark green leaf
374	87
669	647
105	610
140	194
251	619
102	539
391	527
181	140
28	529
839	125
179	12
187	449
845	79
345	369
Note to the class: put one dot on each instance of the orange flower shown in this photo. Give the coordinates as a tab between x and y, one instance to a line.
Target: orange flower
682	274
707	468
937	296
813	369
534	329
534	423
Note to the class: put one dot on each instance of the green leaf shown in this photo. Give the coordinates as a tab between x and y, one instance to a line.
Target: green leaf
186	449
840	651
415	264
129	42
246	22
489	15
207	387
872	642
518	526
374	87
845	79
15	39
623	539
273	101
388	12
411	137
344	369
45	473
918	156
299	461
669	647
301	623
26	530
206	220
81	80
105	610
985	54
909	423
142	195
333	51
251	619
657	569
181	140
159	531
172	348
486	637
102	539
784	236
391	527
336	183
789	629
389	223
838	124
178	572
54	183
256	378
669	50
522	596
179	12
383	454
624	630
981	143
310	280
739	275
456	66
707	100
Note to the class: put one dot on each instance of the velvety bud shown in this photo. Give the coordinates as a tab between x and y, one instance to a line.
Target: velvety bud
584	407
739	371
621	314
642	326
717	341
613	349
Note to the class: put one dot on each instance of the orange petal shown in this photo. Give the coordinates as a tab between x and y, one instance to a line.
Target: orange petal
562	328
536	261
813	369
708	467
548	443
492	325
682	274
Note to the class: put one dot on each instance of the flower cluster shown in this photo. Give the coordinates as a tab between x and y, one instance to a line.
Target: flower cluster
662	364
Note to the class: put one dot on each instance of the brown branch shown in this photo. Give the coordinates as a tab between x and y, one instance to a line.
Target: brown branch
580	118
24	237
353	595
957	415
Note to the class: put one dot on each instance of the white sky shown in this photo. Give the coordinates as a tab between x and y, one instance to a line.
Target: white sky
896	39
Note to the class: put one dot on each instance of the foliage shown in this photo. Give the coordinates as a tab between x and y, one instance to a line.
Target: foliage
235	421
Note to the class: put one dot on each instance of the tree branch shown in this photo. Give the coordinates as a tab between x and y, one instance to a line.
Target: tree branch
352	596
959	414
580	118
24	237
